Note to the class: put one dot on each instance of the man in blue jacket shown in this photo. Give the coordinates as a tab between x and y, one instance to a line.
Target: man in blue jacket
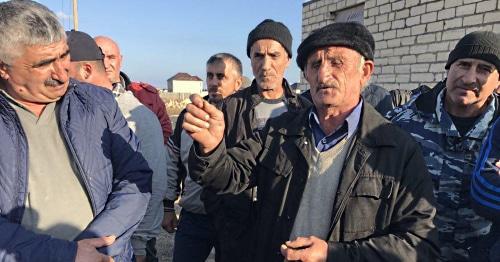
73	185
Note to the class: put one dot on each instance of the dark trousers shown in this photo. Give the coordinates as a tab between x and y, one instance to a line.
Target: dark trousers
151	250
194	239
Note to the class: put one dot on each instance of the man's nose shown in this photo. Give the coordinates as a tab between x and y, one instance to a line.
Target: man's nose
266	63
106	62
61	69
470	76
214	82
324	72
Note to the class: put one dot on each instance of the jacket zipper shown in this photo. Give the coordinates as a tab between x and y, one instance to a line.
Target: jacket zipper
347	195
77	160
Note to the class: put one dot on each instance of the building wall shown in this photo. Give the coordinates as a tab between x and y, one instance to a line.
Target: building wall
412	37
193	87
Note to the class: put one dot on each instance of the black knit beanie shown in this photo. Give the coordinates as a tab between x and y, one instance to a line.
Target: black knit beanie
484	45
270	29
350	34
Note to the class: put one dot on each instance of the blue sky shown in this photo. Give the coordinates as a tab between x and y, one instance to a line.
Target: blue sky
159	38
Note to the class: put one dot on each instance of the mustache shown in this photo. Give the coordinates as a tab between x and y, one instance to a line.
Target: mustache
264	74
470	86
53	82
213	88
474	87
327	85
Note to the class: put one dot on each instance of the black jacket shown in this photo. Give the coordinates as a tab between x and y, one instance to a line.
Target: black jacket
233	214
384	205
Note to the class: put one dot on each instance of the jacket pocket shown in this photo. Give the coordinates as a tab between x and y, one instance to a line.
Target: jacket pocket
367	207
277	162
274	172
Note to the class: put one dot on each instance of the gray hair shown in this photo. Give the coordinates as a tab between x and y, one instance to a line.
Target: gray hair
26	23
221	57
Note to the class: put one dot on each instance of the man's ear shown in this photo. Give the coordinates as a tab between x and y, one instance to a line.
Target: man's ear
239	82
86	71
4	74
367	71
288	62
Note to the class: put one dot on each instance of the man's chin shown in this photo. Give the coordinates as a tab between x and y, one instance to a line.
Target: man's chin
214	99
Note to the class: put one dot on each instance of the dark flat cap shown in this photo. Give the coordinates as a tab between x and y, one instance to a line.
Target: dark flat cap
270	29
350	34
82	47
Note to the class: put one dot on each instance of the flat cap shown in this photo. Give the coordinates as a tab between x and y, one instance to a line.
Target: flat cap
349	34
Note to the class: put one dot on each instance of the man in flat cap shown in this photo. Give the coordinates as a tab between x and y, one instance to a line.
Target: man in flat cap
73	185
449	122
269	47
332	184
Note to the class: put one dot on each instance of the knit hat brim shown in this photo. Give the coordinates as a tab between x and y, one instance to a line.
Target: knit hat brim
270	29
483	45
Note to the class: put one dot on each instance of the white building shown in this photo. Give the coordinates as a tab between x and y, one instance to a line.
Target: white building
185	83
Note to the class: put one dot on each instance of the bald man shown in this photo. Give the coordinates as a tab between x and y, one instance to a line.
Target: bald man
145	93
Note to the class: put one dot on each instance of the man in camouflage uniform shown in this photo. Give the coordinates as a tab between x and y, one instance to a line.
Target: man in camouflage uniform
450	122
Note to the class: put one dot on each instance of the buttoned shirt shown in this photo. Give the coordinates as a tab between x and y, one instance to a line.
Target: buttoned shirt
323	141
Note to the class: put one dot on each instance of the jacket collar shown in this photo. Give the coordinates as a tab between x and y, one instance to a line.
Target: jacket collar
372	129
431	106
427	101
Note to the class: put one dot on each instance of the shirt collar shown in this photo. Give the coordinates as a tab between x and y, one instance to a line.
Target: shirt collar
118	89
352	119
324	142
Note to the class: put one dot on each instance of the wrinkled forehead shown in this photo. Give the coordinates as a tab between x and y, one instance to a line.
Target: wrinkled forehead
220	67
43	52
269	45
334	52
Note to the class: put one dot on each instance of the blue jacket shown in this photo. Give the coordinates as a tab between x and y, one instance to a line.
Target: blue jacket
485	184
115	175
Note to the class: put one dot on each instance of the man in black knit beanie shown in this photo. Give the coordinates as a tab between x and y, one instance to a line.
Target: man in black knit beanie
449	122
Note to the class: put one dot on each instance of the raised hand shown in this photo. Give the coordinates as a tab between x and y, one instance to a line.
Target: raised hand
204	123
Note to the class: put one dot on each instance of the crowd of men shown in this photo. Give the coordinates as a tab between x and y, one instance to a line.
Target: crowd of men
90	168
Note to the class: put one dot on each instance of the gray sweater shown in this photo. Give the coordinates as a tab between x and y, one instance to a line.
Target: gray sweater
147	128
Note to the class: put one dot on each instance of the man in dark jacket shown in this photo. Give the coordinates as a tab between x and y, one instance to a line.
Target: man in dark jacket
145	93
247	111
332	185
196	234
73	185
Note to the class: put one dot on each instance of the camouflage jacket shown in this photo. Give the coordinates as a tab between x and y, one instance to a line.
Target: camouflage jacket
450	159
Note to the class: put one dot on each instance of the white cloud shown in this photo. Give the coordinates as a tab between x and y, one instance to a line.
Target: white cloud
61	15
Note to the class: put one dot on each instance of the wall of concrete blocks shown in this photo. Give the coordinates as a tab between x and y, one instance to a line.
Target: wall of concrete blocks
413	37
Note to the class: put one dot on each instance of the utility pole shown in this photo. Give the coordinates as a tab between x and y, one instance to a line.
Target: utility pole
75	15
